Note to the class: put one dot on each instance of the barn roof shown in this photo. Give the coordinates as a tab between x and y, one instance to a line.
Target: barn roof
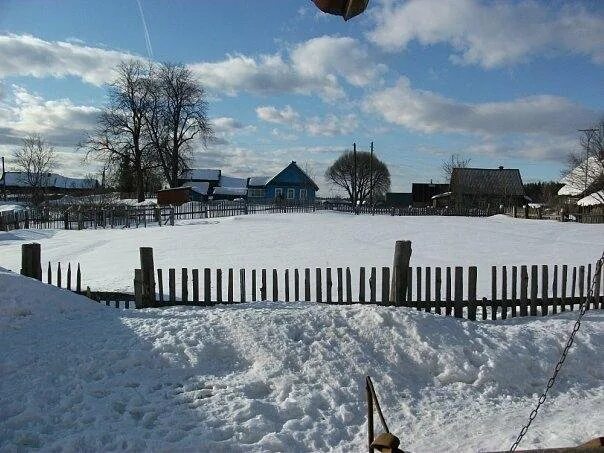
201	187
487	181
231	181
52	180
201	174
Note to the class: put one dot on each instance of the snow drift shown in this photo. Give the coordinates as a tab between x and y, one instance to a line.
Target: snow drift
77	376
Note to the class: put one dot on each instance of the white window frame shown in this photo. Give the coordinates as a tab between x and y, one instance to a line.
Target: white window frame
302	194
278	192
293	192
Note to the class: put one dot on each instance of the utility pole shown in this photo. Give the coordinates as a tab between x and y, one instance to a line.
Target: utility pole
354	179
371	178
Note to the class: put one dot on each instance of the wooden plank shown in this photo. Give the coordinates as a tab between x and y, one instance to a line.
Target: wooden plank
563	289
458	292
504	292
296	285
286	283
418	291
597	286
340	286
385	285
242	285
218	285
437	289
263	288
69	276
348	286
587	284
472	277
184	281
195	283
573	288
493	292
230	286
581	282
514	290
448	304
78	279
555	300
372	285
534	289
362	284
329	284
318	285
49	274
409	298
59	274
253	285
172	284
160	281
307	285
428	291
523	290
275	286
207	285
544	289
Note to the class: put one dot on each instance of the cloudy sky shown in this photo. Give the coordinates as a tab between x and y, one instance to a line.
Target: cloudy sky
504	83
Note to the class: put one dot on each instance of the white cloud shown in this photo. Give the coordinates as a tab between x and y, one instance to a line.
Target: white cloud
26	55
430	112
228	125
59	121
328	125
491	34
315	66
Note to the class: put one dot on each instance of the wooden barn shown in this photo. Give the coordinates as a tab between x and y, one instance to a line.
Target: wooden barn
422	193
484	187
179	195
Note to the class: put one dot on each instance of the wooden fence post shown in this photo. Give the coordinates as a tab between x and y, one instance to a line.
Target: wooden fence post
147	277
138	297
402	256
31	265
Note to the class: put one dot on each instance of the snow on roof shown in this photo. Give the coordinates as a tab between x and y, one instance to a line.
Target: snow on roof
231	181
487	181
441	195
19	179
201	187
580	177
201	174
230	191
261	181
593	199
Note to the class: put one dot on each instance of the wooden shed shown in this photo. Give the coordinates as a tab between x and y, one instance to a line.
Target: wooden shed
178	195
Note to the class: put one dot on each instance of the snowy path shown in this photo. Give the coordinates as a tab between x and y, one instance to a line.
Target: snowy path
78	376
280	241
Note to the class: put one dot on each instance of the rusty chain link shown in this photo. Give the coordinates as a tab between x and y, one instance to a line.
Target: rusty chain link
582	309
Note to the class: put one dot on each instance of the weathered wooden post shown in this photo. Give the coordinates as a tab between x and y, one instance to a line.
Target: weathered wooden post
171	215
515	211
402	256
526	211
138	297
31	265
147	277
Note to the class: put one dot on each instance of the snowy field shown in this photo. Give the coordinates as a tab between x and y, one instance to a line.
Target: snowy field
78	376
325	239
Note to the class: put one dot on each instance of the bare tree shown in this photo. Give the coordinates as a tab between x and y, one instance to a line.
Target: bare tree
456	161
359	176
120	136
178	115
584	173
35	159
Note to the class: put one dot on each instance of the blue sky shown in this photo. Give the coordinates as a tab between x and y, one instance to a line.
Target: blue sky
502	83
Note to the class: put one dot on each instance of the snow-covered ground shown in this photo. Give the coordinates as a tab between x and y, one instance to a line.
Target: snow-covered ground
78	376
322	239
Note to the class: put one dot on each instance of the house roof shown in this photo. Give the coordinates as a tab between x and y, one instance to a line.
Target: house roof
261	181
594	199
201	187
54	180
242	191
231	181
580	176
201	174
487	181
258	181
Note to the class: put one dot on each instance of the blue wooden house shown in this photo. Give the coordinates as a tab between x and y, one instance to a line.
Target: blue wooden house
290	185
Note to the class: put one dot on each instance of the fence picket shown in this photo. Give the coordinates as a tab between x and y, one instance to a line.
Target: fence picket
504	292
69	276
362	285
418	291
49	275
348	286
275	286
573	288
493	293
78	279
544	289
555	290
514	290
253	285
242	285
207	285
581	282
160	285
218	285
184	285
172	284
448	305
286	283
563	295
263	288
230	287
472	277
534	289
329	284
318	284
428	291
523	290
458	292
296	285
59	276
195	285
385	285
437	290
307	285
372	285
340	286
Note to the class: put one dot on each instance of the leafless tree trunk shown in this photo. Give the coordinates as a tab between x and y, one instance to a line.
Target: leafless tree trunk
120	135
456	161
35	159
178	116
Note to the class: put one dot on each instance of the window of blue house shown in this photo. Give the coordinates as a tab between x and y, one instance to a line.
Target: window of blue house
302	194
291	194
278	192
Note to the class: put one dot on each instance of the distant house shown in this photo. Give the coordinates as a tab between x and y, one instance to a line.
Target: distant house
17	182
422	193
583	180
483	187
399	199
178	195
204	179
291	184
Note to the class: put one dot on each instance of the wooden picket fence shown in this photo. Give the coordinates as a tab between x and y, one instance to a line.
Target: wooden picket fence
514	291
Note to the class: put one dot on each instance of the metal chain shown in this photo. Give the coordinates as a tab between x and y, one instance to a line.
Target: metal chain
582	309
